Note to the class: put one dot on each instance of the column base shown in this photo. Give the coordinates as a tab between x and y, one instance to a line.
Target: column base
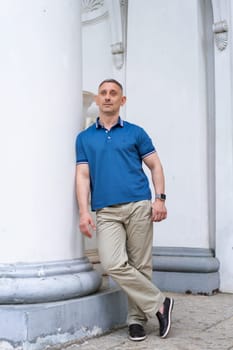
186	270
38	326
48	281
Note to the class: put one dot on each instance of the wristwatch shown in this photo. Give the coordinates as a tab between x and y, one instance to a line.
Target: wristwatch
161	196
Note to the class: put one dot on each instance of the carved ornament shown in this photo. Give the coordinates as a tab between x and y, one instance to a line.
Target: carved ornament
220	30
93	10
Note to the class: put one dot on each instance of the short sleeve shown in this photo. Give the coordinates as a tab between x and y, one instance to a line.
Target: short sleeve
145	144
81	157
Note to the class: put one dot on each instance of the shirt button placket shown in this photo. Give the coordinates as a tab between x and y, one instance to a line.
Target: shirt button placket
108	136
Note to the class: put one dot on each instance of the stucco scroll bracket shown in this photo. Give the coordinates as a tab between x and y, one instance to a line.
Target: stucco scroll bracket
118	16
117	48
118	54
220	30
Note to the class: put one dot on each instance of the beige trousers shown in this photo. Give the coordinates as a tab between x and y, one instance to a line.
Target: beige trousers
124	236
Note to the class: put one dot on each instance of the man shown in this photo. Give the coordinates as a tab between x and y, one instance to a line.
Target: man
109	168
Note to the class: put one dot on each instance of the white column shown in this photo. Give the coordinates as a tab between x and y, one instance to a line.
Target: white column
40	111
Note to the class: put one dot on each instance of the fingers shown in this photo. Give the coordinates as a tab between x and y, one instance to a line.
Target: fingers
159	213
87	233
159	217
86	229
93	225
86	226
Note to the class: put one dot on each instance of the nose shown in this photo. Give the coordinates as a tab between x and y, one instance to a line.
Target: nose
107	97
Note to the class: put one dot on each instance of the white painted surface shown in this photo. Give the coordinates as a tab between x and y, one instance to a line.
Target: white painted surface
40	108
101	29
224	150
40	115
97	59
167	95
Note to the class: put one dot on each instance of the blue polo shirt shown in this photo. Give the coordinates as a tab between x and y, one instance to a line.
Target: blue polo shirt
115	162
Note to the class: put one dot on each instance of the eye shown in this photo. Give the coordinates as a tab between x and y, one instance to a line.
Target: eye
113	93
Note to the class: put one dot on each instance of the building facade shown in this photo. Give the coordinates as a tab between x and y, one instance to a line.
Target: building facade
174	59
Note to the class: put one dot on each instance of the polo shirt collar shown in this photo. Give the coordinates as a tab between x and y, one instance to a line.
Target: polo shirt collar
99	125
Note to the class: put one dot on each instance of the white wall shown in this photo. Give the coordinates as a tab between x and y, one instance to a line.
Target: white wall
40	109
166	92
96	53
103	27
224	149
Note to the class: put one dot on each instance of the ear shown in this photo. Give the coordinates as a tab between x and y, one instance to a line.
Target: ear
123	100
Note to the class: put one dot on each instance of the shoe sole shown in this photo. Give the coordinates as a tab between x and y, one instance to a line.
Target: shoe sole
169	318
137	339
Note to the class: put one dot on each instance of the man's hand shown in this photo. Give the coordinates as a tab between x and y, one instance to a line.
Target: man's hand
86	223
159	211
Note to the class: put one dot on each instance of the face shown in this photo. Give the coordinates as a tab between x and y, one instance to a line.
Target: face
110	99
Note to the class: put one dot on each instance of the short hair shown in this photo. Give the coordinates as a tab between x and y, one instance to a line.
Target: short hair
111	81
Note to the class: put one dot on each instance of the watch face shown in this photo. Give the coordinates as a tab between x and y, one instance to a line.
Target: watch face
161	196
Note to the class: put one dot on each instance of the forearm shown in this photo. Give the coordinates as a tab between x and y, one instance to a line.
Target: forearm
159	211
86	222
157	175
82	190
158	180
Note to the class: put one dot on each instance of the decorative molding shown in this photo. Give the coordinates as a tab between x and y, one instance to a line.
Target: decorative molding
117	48
25	283
118	54
220	30
116	10
186	270
90	111
91	5
93	10
123	2
118	17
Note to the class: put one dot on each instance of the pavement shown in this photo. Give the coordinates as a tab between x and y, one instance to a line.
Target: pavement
198	323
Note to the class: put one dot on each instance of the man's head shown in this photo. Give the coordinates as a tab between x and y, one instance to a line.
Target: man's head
112	81
110	97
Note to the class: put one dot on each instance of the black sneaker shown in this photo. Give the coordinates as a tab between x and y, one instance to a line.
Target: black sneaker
136	332
165	318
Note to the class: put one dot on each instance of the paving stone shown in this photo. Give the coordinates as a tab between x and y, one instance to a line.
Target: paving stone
198	323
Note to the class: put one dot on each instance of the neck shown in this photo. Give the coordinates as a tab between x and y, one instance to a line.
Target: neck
109	121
